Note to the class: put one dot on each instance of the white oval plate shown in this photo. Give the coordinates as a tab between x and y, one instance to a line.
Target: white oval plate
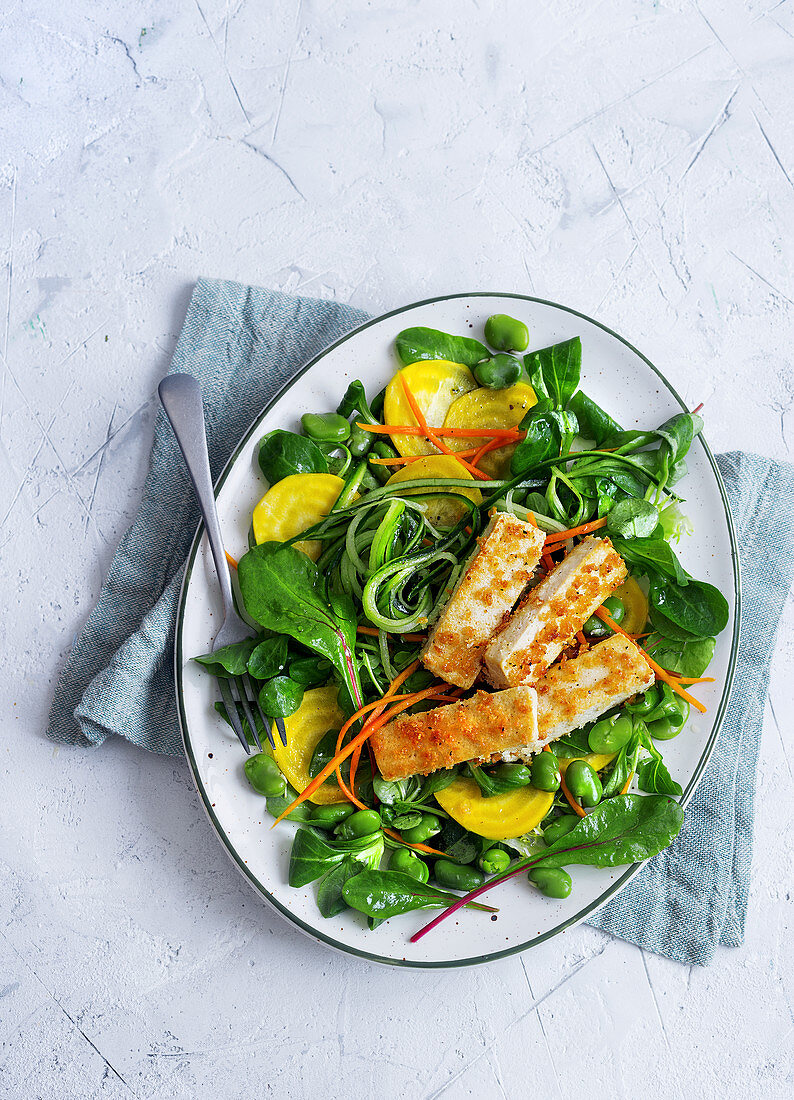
628	386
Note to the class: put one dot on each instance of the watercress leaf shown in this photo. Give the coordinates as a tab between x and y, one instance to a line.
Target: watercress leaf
385	894
594	423
310	857
406	820
280	697
284	453
652	556
387	792
330	899
686	658
560	367
699	608
277	804
269	658
283	590
626	829
229	660
632	518
653	777
415	344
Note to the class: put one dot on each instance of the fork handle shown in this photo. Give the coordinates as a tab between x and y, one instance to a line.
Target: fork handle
181	398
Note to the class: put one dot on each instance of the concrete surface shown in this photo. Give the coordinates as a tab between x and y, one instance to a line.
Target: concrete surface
632	159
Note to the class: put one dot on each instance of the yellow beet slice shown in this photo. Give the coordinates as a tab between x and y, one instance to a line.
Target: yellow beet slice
596	760
484	408
498	818
318	713
294	504
435	384
441	511
636	605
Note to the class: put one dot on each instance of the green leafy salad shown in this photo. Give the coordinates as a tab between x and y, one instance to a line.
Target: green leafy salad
375	519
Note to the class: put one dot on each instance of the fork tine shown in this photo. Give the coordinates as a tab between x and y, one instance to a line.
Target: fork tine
282	731
240	685
266	723
231	711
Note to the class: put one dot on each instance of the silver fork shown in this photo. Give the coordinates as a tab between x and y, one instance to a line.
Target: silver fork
181	398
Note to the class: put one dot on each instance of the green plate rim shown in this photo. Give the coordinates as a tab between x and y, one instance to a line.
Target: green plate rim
615	886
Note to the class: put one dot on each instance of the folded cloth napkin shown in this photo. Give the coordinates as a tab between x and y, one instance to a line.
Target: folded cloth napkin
243	343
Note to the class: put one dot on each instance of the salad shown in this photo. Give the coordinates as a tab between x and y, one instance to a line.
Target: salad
472	623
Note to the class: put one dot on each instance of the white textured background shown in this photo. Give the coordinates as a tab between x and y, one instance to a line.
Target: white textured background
632	159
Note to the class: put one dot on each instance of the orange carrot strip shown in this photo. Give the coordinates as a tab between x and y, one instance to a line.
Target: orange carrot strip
430	434
230	559
581	638
416	847
661	673
583	529
627	784
373	632
455	433
695	679
571	800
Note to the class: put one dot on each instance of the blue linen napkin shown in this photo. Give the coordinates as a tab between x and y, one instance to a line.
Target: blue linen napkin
243	343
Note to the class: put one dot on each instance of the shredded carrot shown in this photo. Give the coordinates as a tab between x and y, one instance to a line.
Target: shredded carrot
581	638
230	559
571	800
694	679
431	435
416	847
510	434
531	519
548	561
661	673
627	784
583	529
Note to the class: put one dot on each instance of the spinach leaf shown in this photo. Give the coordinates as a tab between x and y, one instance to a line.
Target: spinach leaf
310	857
662	625
573	744
689	658
699	608
277	804
632	518
310	671
230	660
280	697
330	899
594	423
653	556
678	432
284	453
456	842
269	658
559	366
385	894
415	344
625	829
324	752
542	441
653	777
438	781
283	590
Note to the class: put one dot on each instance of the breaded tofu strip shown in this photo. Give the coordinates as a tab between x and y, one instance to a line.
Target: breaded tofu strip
472	729
546	621
487	589
575	692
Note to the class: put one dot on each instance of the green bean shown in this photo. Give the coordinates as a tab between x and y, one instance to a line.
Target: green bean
595	628
331	815
560	827
361	823
583	782
506	333
498	373
494	861
610	734
545	772
326	427
262	772
551	881
403	859
455	876
427	827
